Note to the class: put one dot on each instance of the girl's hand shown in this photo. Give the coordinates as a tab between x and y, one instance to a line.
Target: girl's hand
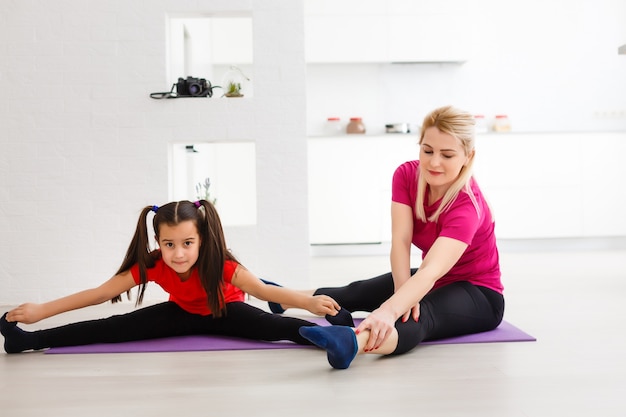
413	312
380	324
321	305
27	313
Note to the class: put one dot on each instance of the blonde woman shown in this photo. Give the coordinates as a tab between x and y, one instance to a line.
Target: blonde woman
438	207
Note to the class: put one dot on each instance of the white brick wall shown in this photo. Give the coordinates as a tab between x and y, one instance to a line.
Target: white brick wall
83	148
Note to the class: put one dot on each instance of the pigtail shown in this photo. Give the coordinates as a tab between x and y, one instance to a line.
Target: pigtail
213	254
138	252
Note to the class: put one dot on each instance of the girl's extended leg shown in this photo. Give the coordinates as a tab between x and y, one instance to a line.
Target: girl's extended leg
249	322
160	320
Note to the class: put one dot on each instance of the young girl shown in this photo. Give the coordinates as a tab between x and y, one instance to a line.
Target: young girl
438	207
206	287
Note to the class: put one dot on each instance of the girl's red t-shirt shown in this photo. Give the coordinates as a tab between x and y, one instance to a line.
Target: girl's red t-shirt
189	294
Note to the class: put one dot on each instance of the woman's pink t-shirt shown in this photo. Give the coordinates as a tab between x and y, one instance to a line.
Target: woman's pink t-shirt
462	221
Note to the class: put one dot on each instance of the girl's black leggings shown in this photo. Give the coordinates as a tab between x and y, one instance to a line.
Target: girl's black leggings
168	319
452	310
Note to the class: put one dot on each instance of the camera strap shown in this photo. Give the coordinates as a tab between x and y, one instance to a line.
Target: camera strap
165	94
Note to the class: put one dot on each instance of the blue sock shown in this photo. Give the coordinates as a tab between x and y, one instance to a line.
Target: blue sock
274	307
342	318
339	342
15	339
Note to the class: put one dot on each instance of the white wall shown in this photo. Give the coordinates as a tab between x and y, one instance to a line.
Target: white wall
83	148
550	65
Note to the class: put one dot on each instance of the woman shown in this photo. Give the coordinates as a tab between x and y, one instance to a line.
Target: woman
437	206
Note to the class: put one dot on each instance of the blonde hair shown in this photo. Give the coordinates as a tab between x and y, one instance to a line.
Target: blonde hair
459	124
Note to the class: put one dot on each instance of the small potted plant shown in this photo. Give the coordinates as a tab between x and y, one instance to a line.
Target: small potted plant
233	89
202	191
233	82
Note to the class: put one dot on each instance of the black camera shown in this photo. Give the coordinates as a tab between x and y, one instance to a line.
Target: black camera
194	87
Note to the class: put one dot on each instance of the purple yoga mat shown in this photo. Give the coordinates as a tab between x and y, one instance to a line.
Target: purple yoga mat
506	332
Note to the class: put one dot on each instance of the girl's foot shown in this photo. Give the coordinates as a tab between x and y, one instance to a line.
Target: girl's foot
339	342
15	339
342	318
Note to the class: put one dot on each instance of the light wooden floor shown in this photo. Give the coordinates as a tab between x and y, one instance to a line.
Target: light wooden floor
573	301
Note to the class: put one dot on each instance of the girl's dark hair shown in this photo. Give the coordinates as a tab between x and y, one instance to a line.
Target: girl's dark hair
212	254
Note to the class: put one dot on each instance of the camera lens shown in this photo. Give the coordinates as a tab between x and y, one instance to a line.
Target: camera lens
194	89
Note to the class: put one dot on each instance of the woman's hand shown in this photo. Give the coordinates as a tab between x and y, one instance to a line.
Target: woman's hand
321	305
27	313
413	312
380	324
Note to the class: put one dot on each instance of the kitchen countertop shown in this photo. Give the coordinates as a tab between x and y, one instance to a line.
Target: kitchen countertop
512	133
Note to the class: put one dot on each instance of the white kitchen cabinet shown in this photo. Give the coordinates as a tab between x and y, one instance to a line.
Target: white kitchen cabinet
428	38
603	176
552	185
345	39
533	183
396	31
350	186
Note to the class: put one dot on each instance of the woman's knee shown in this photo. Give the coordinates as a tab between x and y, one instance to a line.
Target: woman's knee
363	295
410	334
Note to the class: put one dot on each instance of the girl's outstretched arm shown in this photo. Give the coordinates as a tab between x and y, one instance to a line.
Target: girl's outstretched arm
320	305
31	312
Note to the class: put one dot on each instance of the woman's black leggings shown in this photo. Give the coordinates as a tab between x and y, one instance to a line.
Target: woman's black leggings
452	310
168	319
